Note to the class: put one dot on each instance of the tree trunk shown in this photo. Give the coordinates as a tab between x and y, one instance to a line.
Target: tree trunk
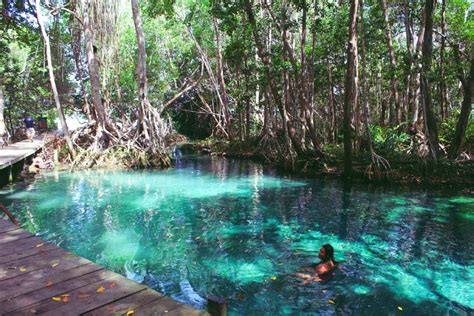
93	65
468	88
75	31
220	79
409	41
214	81
350	87
262	53
141	69
417	72
332	107
2	107
442	88
395	109
365	86
54	90
427	53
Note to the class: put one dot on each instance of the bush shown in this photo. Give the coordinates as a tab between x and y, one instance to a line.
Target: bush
391	141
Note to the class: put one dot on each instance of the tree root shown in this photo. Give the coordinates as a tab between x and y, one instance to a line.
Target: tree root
378	168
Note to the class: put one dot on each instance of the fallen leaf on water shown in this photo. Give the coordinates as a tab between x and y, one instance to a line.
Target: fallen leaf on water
49	284
56	298
112	285
274	278
65	299
400	308
100	290
324	291
84	295
54	265
331	302
39	245
22	269
110	309
130	312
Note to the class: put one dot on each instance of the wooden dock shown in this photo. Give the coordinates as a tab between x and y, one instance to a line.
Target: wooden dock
37	277
18	151
13	157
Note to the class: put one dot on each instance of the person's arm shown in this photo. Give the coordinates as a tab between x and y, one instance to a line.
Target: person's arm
303	276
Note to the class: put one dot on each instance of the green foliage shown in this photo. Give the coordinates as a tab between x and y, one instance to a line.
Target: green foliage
391	141
334	150
448	128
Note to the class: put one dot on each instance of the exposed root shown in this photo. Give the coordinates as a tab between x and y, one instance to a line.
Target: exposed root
378	167
125	143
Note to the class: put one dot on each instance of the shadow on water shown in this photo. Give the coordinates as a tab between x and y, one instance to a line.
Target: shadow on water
237	229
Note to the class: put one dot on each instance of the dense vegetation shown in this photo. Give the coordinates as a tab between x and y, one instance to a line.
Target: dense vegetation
295	81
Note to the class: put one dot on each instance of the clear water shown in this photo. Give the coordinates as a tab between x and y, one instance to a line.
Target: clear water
233	229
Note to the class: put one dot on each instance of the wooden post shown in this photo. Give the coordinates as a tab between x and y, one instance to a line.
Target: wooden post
216	306
5	174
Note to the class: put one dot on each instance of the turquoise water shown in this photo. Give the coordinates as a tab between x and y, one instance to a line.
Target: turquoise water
236	230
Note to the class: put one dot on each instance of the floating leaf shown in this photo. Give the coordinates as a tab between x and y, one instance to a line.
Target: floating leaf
331	302
65	299
324	291
274	278
100	290
130	312
39	245
22	269
110	309
84	295
400	308
54	265
49	284
56	298
112	285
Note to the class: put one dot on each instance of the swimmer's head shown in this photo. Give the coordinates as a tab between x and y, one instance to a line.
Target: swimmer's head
326	253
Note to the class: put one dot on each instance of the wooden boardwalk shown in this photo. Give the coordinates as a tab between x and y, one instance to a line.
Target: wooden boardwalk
18	151
37	277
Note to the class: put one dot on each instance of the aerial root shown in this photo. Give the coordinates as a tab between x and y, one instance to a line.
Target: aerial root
378	167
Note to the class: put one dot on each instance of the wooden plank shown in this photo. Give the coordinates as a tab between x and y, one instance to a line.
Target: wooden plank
31	302
7	228
32	271
5	223
24	253
13	235
36	262
165	305
42	278
131	302
78	305
18	151
186	310
23	244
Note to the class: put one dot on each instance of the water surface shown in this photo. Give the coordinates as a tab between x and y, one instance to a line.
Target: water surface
234	229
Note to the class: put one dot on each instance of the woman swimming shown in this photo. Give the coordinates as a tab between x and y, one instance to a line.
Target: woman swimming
322	272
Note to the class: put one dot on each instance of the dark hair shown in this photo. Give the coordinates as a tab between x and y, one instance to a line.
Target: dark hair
329	253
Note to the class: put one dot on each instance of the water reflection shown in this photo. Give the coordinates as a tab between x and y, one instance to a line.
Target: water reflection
234	229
